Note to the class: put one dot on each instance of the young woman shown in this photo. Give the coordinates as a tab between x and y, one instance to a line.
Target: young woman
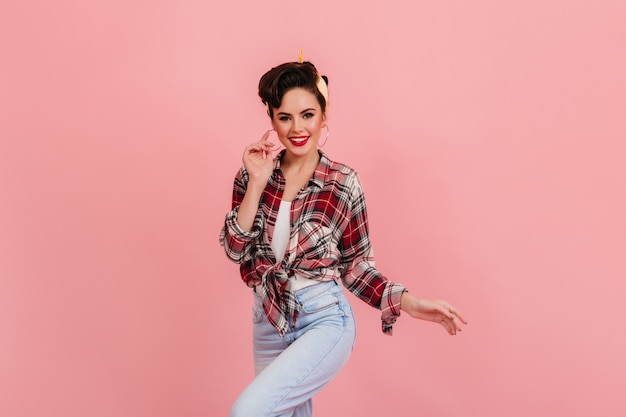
298	225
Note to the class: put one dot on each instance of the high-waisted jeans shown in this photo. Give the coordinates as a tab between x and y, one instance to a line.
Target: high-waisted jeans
291	369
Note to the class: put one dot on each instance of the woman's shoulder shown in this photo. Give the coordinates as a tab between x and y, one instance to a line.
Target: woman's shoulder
339	168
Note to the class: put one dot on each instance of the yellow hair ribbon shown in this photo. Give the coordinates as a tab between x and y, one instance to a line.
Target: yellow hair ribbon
321	84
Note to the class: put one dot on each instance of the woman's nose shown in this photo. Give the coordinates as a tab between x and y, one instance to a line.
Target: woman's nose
296	125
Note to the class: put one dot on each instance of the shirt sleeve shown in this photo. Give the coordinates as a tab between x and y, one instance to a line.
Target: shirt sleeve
236	242
358	272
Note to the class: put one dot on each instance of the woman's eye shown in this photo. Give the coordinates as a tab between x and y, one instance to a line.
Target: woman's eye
308	115
283	118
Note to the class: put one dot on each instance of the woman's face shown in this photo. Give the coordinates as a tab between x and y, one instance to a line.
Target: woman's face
299	121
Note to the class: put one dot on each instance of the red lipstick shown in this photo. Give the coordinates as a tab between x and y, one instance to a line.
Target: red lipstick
299	140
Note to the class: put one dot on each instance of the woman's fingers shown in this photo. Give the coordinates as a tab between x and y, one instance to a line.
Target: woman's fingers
262	148
456	323
449	325
266	135
457	314
442	307
452	317
264	145
254	150
451	311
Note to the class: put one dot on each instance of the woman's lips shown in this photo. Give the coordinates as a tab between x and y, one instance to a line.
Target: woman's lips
299	140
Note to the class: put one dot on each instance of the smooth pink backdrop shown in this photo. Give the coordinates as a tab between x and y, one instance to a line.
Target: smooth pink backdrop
490	137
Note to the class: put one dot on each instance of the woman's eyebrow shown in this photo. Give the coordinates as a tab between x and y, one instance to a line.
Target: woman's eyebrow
303	111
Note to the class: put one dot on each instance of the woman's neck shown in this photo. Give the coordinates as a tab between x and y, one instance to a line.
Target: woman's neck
301	163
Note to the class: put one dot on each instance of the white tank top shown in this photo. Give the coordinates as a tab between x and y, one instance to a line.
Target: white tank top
280	240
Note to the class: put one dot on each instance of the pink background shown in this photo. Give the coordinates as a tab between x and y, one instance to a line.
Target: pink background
490	137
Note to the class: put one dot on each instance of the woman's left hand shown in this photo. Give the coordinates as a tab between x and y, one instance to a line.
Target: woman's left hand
437	311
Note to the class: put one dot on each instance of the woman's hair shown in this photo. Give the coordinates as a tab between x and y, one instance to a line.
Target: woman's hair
277	81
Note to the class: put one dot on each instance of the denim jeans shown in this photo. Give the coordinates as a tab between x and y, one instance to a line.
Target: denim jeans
291	369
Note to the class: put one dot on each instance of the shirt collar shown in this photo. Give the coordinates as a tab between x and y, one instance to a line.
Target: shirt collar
321	172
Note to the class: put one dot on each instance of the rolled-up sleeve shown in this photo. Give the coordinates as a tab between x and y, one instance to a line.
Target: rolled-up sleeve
235	240
390	305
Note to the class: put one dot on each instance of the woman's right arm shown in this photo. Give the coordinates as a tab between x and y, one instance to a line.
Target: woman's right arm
249	207
244	223
257	160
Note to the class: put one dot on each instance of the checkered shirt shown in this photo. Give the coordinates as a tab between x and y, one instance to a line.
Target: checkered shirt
328	240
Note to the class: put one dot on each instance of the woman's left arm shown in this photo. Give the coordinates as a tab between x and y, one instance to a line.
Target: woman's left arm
358	272
363	279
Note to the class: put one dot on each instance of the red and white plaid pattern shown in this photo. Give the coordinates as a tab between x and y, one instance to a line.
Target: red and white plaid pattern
329	239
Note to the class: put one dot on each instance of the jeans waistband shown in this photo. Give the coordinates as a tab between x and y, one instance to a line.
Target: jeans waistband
309	292
313	291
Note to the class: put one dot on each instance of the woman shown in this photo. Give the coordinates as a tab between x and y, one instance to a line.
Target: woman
298	225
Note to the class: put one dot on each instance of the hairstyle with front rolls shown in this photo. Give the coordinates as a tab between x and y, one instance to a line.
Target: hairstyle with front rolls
277	81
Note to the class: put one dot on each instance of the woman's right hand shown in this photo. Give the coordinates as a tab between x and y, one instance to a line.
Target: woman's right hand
258	161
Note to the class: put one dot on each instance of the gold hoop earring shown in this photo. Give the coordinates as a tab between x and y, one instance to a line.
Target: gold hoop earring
326	139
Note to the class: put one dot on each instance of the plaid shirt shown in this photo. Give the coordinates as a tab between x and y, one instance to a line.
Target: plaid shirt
328	240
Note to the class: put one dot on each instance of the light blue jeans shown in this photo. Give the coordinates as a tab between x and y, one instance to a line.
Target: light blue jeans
291	369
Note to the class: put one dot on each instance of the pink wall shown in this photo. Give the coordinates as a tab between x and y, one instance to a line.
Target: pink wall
490	137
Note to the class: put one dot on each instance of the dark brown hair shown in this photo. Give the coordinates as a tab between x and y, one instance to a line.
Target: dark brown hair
277	81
